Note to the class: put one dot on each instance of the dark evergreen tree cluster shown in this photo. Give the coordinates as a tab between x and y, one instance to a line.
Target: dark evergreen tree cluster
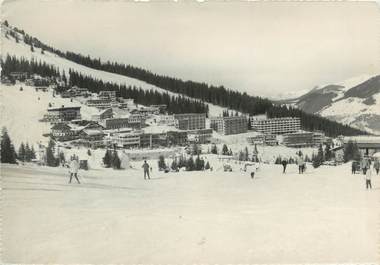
351	152
217	95
26	153
14	64
51	160
8	153
161	163
174	104
319	158
111	159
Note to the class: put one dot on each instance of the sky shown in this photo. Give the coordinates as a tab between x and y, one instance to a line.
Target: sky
269	49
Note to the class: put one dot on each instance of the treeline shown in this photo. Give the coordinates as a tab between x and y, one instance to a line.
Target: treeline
14	64
175	104
217	95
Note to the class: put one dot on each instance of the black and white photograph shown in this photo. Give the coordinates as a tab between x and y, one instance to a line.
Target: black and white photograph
190	132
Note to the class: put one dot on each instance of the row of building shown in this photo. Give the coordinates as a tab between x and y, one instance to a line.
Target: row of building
95	135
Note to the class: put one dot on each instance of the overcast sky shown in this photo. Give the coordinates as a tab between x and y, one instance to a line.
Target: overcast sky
265	48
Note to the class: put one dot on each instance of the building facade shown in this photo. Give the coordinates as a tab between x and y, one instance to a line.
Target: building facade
62	114
201	136
107	94
63	132
276	125
229	125
190	121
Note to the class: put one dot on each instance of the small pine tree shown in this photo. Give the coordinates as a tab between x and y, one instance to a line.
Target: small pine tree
246	155
22	153
214	149
207	166
174	165
42	51
31	48
199	163
225	150
51	161
6	23
116	163
32	153
107	159
190	164
89	152
351	152
161	162
278	160
8	154
328	154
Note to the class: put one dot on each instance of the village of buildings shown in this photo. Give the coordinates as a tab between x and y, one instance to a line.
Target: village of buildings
120	123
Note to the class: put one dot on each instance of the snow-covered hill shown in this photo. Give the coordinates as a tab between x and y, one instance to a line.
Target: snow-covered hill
20	49
355	102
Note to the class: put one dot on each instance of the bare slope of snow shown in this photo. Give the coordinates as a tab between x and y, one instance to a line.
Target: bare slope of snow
9	46
115	217
22	110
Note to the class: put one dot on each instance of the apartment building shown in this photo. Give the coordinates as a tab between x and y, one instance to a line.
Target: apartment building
229	125
190	121
276	125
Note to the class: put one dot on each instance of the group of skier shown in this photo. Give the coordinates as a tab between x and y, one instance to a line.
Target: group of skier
368	168
300	161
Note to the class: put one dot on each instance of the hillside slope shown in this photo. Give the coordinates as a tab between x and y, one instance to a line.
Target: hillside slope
9	46
355	102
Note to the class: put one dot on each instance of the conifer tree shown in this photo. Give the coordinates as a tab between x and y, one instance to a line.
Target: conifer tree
214	149
22	153
161	162
8	154
107	159
116	163
225	150
207	166
190	164
51	161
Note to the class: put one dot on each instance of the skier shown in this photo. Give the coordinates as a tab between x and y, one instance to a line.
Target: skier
353	167
284	164
300	163
368	176
74	167
146	168
376	166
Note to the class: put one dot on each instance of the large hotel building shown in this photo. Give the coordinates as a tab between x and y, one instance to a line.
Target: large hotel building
229	125
275	125
190	121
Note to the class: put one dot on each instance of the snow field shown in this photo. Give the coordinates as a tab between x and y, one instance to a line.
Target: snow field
325	215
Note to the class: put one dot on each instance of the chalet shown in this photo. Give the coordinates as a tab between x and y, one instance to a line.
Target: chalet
126	103
99	103
56	115
92	137
21	76
103	115
130	139
107	95
63	132
75	92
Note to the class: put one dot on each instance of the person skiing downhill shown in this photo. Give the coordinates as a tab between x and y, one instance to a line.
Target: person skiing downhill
146	168
74	167
284	164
